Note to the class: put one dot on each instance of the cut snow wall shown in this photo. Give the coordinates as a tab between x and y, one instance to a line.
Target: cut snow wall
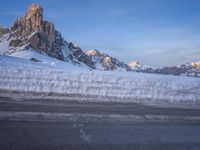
135	86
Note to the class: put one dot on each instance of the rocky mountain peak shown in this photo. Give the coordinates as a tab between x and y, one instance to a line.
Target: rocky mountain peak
93	52
108	63
31	22
105	62
35	10
32	32
134	64
35	15
196	64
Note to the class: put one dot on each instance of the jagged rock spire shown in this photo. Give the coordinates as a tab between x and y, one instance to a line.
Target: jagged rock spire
35	14
34	10
43	33
31	22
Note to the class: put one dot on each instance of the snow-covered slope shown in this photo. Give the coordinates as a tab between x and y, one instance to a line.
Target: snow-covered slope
49	61
30	76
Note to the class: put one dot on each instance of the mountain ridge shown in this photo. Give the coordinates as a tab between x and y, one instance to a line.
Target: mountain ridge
32	32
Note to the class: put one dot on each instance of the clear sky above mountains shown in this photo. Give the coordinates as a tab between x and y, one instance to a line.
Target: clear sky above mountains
154	32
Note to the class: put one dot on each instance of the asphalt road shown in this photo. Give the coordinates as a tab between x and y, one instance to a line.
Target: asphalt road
56	124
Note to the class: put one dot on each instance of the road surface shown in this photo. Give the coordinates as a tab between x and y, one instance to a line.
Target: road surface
58	124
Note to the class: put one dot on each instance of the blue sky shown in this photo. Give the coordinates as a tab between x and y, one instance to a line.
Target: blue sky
154	32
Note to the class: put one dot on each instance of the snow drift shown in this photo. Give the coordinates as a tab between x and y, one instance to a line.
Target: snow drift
28	76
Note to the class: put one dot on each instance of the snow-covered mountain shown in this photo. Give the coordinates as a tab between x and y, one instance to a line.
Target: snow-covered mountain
136	66
32	33
31	37
188	69
106	62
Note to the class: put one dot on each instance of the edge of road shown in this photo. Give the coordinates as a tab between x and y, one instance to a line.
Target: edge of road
22	96
86	117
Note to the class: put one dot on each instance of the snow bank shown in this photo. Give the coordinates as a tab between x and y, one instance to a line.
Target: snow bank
24	75
4	43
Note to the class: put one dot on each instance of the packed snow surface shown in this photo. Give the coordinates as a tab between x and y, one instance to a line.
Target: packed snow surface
48	61
4	43
46	76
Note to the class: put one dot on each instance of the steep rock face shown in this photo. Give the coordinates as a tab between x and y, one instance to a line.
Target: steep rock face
106	62
32	32
78	54
31	22
35	15
37	34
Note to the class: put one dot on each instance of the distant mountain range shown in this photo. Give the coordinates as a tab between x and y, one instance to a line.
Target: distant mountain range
33	33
